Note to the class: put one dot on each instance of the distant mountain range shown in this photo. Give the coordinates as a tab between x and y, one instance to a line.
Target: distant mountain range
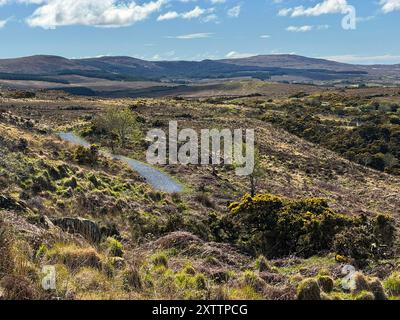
265	67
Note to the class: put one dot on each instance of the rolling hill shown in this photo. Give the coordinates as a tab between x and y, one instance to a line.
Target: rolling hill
86	76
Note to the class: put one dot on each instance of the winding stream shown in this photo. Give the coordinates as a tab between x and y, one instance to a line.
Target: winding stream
157	179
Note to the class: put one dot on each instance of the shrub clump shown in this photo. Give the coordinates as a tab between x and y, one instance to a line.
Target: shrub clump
74	257
89	279
373	286
326	283
360	283
309	289
132	279
392	284
88	155
252	280
160	260
262	264
18	288
367	238
276	226
191	286
377	289
114	247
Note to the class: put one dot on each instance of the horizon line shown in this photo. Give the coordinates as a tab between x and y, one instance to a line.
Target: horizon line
344	59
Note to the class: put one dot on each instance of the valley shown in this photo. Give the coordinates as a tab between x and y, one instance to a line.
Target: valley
113	76
111	235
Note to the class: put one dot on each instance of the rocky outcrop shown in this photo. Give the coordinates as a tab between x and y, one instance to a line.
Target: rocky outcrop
86	228
8	203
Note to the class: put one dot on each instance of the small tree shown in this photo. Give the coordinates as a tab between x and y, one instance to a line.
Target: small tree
258	173
121	122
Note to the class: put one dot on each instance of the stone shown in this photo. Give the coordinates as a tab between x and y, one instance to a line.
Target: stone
8	203
86	228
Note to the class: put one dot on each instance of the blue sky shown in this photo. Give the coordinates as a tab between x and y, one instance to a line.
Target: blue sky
201	29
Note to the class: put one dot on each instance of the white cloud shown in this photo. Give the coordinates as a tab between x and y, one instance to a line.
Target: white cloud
324	7
104	13
238	55
299	28
191	36
235	11
170	55
265	36
3	23
390	5
197	12
355	59
210	17
306	28
168	16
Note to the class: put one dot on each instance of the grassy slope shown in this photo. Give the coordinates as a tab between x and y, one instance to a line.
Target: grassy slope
166	265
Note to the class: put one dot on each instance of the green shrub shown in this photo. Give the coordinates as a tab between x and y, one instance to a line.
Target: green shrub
367	238
160	260
191	286
250	278
87	156
114	247
276	226
188	269
392	284
201	282
373	143
41	251
262	264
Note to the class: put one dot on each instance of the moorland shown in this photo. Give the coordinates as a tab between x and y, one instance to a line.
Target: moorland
325	196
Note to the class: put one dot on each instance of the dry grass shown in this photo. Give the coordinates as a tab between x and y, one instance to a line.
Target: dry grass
194	266
74	257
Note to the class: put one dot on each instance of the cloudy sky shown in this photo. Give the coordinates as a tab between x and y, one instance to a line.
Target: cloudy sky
202	29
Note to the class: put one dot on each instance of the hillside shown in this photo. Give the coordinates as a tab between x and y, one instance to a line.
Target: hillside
74	74
292	61
112	236
39	65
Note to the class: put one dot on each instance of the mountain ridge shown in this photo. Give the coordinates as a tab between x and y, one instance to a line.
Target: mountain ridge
283	67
